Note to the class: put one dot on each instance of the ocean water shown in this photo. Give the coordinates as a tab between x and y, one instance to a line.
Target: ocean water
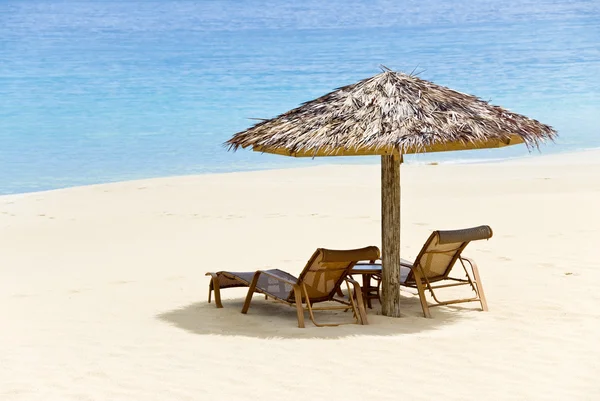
101	91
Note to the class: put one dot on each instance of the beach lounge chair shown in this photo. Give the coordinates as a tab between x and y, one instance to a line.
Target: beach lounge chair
320	281
436	260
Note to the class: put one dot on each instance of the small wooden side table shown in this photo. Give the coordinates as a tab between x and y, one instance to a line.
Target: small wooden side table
368	271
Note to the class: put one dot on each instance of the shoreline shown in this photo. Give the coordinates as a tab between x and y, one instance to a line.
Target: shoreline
583	156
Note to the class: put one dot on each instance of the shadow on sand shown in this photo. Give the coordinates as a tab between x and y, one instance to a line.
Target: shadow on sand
268	319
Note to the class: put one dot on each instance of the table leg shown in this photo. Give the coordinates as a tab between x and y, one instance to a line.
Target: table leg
366	287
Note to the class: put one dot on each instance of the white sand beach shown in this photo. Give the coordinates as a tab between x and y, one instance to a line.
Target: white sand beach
103	294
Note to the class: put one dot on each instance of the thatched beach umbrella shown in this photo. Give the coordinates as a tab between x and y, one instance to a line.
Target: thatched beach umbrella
391	114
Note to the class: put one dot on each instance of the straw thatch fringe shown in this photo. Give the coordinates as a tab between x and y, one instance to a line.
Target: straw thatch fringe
391	109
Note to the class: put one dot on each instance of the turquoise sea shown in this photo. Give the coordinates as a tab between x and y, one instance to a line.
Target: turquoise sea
101	91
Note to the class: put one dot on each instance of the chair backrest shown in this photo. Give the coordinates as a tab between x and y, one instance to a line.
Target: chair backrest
443	248
327	268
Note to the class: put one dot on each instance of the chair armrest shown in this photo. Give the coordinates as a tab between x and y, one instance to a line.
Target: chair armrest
351	280
468	260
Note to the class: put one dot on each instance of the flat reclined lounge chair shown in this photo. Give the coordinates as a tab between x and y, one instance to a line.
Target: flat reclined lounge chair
435	262
320	281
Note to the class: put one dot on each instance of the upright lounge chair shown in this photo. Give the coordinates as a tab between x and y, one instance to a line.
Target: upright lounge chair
320	281
435	262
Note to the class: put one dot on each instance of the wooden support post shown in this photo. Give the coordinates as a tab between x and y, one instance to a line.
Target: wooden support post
390	235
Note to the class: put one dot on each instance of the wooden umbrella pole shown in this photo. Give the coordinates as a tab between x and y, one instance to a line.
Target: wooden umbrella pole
390	234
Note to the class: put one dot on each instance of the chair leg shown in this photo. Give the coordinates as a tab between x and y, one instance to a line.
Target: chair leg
214	286
479	286
299	308
311	315
250	292
357	317
421	291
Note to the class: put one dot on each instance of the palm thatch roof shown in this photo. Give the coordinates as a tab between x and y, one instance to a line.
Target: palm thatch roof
391	112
